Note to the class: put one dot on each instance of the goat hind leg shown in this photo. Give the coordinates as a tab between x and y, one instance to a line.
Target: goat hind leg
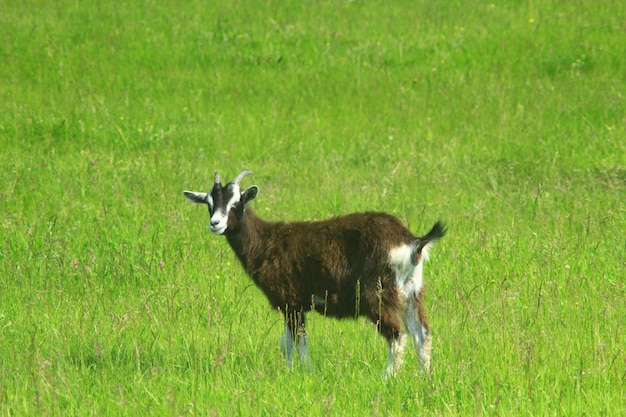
390	328
417	325
396	351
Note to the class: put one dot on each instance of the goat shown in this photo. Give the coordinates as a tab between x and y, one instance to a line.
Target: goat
366	264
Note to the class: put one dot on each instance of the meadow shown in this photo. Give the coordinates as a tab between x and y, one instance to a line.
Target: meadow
506	120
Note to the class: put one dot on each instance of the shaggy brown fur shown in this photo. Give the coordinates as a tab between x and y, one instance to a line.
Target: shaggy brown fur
343	261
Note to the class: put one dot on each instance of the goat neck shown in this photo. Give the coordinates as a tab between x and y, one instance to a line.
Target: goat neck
248	237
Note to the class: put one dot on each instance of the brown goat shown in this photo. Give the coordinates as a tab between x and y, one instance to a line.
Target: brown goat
360	264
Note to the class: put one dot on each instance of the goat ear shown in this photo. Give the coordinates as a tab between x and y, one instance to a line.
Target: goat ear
195	197
249	195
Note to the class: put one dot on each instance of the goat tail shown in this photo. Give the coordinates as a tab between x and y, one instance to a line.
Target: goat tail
437	232
424	243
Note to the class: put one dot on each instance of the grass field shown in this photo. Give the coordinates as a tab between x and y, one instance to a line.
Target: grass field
507	120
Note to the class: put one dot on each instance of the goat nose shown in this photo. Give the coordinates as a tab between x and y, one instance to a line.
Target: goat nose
214	222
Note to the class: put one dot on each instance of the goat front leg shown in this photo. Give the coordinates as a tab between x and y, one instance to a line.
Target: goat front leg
286	344
295	335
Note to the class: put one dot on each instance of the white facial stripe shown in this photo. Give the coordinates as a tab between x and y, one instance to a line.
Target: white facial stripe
234	199
219	219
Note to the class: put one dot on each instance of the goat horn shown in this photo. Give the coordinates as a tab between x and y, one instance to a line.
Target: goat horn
217	178
241	176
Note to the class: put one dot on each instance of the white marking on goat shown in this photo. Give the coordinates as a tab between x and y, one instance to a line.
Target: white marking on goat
409	280
219	220
408	275
400	259
425	252
234	199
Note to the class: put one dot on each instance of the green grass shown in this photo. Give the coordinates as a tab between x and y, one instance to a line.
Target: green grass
507	121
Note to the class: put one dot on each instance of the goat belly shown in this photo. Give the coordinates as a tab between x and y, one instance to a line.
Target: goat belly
333	305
